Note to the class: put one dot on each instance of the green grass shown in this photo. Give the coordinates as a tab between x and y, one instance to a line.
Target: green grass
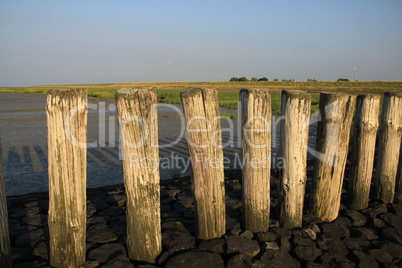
228	92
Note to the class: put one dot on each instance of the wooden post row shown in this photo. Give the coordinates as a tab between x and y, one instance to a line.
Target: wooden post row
66	112
336	112
139	137
364	139
201	112
388	148
256	152
294	143
5	247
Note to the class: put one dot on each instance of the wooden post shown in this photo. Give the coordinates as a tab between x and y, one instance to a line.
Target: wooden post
139	140
201	111
66	112
399	175
256	152
294	143
336	112
388	147
364	139
5	246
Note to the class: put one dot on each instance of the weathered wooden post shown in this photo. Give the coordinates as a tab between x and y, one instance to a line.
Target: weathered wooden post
256	152
201	111
333	134
5	247
364	139
139	141
294	143
388	148
399	175
66	111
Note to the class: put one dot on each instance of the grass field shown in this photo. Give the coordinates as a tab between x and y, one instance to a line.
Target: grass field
169	92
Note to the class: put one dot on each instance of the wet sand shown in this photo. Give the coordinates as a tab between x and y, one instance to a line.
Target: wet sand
23	132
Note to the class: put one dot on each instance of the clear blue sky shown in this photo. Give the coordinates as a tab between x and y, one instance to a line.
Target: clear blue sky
101	41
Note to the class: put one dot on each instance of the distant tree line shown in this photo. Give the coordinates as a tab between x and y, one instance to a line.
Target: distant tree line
242	79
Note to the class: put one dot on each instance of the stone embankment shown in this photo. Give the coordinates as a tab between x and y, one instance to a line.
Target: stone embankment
368	238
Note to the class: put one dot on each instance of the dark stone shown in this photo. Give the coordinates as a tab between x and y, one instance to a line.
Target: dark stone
189	213
311	219
25	212
392	220
358	244
119	262
397	207
196	259
332	244
175	225
307	253
162	258
112	211
278	259
314	265
330	259
284	236
35	220
166	207
100	205
33	264
247	234
20	254
168	201
182	205
119	221
234	203
213	245
272	246
334	230
116	200
97	219
17	230
375	210
266	237
176	241
235	231
30	239
238	244
380	255
395	250
357	218
232	221
273	223
377	223
106	252
310	231
391	234
96	228
363	233
91	210
302	241
343	221
102	237
90	264
171	215
243	261
41	250
364	260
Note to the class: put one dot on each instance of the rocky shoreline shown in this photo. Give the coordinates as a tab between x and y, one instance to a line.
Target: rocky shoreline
368	238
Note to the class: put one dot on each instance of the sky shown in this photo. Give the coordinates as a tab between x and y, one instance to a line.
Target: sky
45	42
